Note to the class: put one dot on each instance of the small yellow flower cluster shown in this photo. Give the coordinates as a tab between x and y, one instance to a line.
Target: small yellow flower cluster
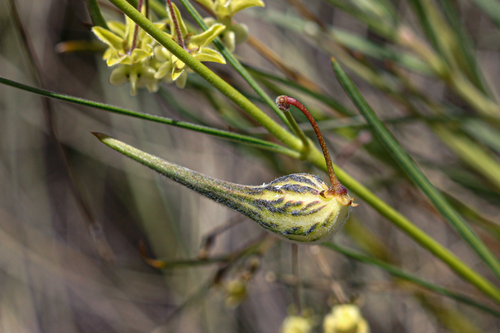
345	318
142	62
236	292
236	289
296	324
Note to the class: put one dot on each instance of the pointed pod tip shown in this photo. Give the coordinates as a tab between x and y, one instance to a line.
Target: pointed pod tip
100	136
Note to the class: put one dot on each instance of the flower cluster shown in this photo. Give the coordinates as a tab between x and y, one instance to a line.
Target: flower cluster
296	324
345	318
143	63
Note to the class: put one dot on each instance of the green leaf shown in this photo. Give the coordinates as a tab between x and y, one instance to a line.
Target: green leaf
158	119
95	13
409	166
397	272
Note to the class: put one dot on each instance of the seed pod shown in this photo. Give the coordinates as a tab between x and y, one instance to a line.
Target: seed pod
297	207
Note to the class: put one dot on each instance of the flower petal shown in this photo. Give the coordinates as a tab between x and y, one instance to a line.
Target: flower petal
207	54
129	30
115	58
133	83
119	76
164	69
181	82
108	37
239	5
176	73
140	54
208	36
117	27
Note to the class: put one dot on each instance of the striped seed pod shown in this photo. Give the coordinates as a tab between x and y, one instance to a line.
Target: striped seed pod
298	207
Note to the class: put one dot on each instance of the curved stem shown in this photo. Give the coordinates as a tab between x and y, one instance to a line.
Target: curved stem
284	103
180	40
136	30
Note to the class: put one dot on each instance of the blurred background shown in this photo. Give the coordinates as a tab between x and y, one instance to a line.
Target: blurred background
73	213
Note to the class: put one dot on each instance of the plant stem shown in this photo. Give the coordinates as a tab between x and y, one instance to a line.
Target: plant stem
258	143
180	39
284	103
296	273
136	30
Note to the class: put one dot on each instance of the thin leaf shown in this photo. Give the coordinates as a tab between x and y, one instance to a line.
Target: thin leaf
330	101
407	164
409	277
490	8
95	14
162	120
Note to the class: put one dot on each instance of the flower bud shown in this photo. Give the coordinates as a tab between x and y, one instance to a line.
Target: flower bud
296	324
236	292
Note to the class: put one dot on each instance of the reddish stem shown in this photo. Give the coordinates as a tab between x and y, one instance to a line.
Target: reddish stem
136	30
284	103
177	29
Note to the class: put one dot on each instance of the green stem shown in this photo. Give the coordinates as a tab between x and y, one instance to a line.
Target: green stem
158	119
231	59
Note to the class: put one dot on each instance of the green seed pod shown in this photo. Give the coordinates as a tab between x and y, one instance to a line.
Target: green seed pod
297	207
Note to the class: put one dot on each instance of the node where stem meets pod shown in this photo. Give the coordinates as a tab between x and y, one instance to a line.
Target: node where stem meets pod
298	207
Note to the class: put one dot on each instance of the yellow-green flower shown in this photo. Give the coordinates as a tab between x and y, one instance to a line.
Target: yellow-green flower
236	292
225	10
345	318
296	324
120	42
139	75
196	45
